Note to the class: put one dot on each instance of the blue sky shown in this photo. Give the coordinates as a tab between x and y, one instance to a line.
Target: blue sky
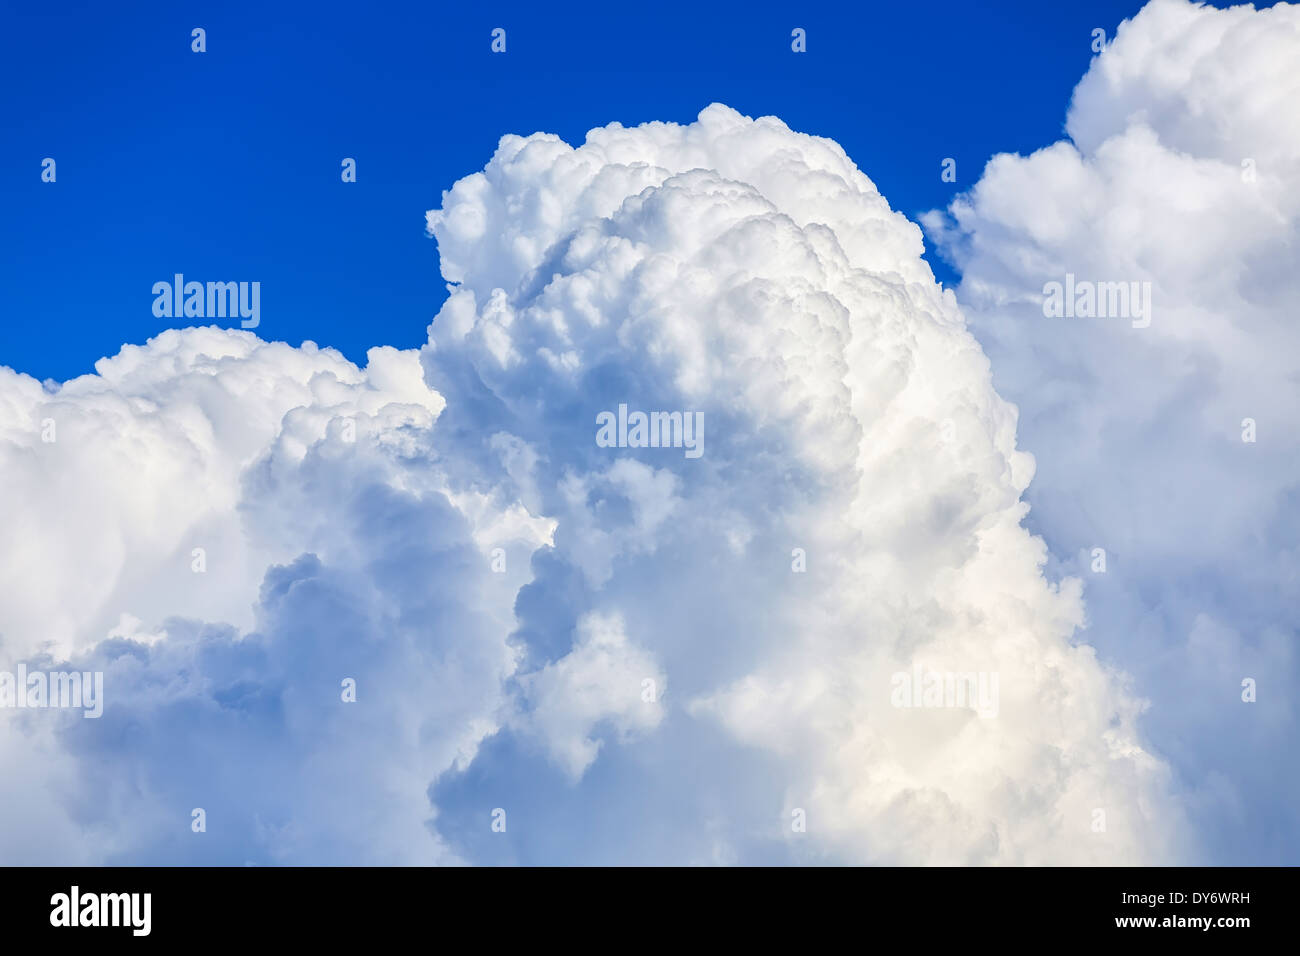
225	164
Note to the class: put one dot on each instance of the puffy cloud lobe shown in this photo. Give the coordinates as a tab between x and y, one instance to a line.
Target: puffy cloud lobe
1181	171
307	482
735	268
603	678
145	465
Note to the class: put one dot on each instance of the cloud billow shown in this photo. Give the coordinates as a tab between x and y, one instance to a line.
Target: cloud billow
752	274
637	654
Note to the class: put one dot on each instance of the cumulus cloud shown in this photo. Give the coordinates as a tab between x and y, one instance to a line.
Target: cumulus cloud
114	478
228	530
443	528
1182	170
739	270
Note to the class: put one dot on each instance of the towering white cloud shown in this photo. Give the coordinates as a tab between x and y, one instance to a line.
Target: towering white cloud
710	645
1182	170
737	269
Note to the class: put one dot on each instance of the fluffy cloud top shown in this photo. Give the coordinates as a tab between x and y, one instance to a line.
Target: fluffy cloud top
737	269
